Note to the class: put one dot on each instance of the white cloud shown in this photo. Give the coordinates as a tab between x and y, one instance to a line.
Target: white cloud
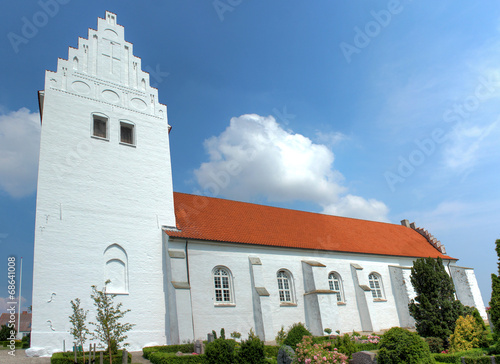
256	157
19	147
5	304
468	145
329	139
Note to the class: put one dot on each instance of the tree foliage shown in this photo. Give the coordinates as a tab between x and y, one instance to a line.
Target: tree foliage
434	308
402	346
468	334
495	295
108	328
79	329
295	335
5	332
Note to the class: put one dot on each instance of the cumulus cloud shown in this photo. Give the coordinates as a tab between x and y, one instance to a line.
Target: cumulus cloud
256	158
19	146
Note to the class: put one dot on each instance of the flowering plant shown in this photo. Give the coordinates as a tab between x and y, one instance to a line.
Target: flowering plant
310	353
372	339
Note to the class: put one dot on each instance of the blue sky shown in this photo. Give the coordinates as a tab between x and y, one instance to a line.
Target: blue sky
384	110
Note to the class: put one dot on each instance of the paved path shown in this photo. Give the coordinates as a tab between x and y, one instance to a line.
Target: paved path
21	358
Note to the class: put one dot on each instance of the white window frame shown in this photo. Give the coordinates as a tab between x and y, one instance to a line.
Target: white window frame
101	117
334	277
129	125
222	286
376	285
285	287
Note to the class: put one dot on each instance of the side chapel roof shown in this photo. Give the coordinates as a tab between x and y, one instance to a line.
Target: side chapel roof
219	220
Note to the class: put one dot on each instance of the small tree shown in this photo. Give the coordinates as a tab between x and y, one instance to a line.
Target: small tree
78	320
495	296
5	332
109	329
435	308
468	334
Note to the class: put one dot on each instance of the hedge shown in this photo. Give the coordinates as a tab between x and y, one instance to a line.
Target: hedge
6	343
183	348
477	360
271	351
172	358
456	357
69	357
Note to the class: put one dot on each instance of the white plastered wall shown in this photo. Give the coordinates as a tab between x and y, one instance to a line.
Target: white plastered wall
93	192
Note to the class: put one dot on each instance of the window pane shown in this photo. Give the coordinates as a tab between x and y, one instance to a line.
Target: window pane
126	134
99	128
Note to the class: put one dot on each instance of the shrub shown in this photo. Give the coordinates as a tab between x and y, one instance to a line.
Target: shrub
468	334
436	344
280	338
184	348
365	347
271	351
251	351
68	358
5	333
172	358
308	352
344	345
477	360
402	346
295	335
220	351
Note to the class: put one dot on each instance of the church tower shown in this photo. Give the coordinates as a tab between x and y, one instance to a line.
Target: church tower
104	190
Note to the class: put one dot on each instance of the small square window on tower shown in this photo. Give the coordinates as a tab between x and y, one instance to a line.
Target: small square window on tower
100	127
127	133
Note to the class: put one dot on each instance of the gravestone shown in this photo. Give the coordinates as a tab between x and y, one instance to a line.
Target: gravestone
199	347
363	357
210	337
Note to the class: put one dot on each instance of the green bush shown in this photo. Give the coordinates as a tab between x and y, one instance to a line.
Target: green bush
18	344
69	357
271	351
468	334
436	344
402	346
365	347
295	335
220	351
447	358
251	351
171	358
455	357
184	348
344	345
477	360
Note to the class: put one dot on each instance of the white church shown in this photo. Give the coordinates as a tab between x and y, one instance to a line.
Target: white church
186	265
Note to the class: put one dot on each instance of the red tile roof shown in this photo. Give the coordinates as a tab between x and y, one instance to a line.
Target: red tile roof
215	219
25	321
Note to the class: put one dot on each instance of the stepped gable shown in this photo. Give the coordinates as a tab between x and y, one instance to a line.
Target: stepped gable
219	220
104	69
427	235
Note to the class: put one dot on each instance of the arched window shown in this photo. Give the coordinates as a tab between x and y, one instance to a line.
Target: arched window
285	286
223	285
375	281
335	283
116	269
